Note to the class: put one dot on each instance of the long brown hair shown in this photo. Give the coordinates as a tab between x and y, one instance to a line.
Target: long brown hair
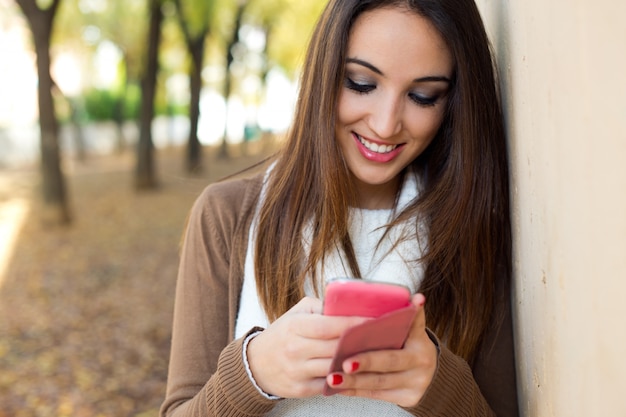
465	201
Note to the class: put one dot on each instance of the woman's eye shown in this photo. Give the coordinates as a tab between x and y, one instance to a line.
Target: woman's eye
424	100
361	88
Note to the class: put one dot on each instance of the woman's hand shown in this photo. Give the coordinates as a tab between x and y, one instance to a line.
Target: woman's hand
398	376
291	358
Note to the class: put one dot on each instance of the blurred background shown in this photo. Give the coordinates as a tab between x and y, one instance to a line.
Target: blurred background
230	64
114	115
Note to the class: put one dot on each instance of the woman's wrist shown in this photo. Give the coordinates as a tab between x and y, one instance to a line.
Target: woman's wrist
246	341
233	387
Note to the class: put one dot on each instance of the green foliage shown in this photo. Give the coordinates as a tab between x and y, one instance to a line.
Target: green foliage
288	25
198	15
100	104
44	4
82	25
132	101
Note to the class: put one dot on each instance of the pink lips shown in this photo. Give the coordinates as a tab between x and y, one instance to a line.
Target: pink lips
375	156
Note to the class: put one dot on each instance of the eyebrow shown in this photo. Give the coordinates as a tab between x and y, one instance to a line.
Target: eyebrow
430	78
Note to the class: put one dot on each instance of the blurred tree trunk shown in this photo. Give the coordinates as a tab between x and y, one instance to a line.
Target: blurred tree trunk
195	40
145	177
194	149
53	183
228	82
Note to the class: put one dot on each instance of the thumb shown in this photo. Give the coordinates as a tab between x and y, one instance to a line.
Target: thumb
419	300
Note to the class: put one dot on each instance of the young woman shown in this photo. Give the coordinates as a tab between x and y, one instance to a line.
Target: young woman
395	169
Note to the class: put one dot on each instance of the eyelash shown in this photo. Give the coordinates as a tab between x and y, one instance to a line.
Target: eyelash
367	88
359	88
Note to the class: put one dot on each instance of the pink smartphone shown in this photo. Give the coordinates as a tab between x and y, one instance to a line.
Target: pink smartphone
391	310
356	297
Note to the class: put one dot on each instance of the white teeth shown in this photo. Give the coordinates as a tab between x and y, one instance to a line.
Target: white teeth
377	148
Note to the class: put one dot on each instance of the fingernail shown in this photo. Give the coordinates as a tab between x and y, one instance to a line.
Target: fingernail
354	366
422	301
337	379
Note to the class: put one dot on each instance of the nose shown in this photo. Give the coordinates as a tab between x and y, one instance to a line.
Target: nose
386	117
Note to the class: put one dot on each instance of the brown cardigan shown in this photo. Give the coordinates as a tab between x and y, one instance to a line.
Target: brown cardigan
206	371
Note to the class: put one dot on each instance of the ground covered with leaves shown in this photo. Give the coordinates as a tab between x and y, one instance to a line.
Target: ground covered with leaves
86	310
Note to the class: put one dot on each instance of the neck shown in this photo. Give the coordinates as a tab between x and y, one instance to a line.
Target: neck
377	196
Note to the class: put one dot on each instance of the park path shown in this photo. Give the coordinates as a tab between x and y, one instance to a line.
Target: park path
85	311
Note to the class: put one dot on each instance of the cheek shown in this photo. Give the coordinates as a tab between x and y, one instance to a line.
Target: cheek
349	109
425	125
342	109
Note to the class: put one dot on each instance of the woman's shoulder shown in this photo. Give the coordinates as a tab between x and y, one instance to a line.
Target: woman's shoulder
235	192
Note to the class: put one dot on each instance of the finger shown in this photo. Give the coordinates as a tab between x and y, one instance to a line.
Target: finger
402	388
420	355
392	360
418	334
419	300
318	367
365	381
301	348
307	305
409	379
423	356
315	326
310	388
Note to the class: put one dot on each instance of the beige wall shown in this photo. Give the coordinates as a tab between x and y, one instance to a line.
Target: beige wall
563	70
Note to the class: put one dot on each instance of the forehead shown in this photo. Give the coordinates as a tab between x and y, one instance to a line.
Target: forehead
390	37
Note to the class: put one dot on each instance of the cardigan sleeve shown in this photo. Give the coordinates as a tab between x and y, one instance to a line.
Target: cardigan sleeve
207	375
453	391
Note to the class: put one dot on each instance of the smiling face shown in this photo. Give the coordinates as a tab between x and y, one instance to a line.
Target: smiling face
397	74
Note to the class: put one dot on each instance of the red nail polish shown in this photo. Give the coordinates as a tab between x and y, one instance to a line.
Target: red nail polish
355	366
337	379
